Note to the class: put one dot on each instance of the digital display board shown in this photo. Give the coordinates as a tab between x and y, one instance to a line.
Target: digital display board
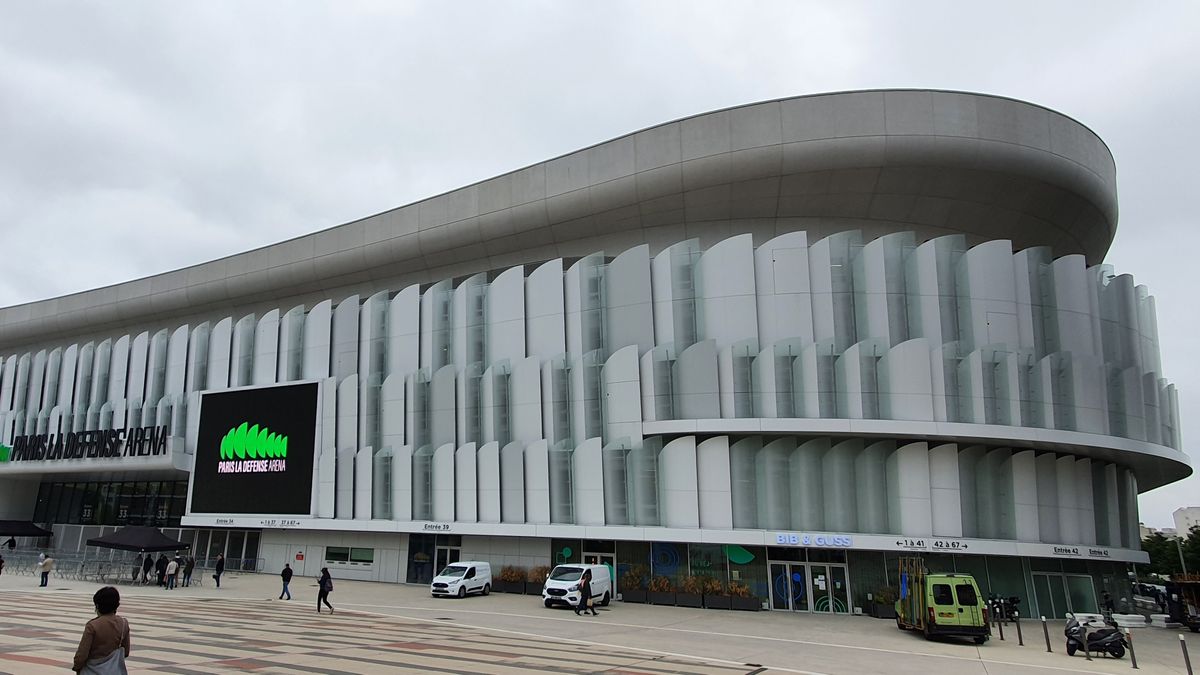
255	451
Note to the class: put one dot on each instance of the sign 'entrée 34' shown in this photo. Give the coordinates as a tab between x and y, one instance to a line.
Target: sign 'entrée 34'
102	444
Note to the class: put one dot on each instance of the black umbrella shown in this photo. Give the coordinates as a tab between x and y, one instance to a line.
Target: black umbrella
22	528
139	538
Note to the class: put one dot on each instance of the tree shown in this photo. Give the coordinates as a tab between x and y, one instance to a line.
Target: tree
1164	553
1164	556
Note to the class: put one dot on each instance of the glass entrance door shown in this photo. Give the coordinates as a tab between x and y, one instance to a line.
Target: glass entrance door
810	587
789	586
1058	594
830	589
446	555
609	560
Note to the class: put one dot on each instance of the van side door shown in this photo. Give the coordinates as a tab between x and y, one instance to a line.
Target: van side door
469	580
968	603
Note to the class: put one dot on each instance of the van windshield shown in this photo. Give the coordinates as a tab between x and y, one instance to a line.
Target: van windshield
453	571
566	573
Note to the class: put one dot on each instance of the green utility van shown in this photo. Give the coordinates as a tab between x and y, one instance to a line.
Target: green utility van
940	604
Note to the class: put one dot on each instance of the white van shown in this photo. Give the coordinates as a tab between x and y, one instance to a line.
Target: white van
562	586
461	578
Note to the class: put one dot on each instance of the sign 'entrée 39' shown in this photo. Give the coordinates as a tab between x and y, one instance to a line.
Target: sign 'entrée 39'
105	444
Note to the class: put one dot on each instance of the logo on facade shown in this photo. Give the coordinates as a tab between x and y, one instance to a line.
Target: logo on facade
820	540
98	444
248	448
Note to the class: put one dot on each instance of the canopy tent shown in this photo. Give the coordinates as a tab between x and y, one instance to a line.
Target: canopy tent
138	538
22	528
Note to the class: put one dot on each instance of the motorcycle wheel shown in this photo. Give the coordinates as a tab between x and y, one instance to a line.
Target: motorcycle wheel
1117	650
1070	649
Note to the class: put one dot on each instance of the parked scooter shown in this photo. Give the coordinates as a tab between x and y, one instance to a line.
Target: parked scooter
1004	609
1104	640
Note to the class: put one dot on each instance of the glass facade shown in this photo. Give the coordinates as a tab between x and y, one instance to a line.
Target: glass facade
156	503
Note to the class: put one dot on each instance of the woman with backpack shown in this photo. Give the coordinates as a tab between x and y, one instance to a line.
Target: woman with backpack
324	588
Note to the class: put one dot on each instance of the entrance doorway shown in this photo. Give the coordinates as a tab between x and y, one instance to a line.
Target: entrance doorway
810	587
429	554
446	555
609	560
1057	594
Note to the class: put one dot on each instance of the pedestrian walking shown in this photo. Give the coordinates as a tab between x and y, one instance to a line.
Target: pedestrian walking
286	575
137	566
324	588
105	643
585	594
219	570
172	570
46	566
188	567
147	565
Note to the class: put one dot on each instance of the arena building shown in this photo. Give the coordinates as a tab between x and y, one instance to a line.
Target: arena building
778	345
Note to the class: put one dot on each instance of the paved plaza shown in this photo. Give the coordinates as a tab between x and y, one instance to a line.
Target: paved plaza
382	628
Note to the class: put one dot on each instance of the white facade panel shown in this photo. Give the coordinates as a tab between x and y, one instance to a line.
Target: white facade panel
466	484
678	483
588	483
444	464
488	483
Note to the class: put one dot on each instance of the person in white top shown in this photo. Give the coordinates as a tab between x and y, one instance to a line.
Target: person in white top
172	571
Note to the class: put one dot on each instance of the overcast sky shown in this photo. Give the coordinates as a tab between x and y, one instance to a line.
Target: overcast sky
141	137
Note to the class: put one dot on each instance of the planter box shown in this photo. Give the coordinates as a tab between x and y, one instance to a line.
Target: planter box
533	587
689	600
746	604
718	602
636	595
884	611
661	598
508	586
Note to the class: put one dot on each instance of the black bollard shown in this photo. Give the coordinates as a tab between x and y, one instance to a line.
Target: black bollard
1017	621
1001	627
1046	632
1132	654
1186	661
1086	652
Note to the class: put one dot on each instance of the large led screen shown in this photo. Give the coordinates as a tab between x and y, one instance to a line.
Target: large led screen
254	452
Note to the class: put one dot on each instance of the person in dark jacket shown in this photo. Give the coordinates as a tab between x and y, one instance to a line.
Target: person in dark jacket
286	575
137	567
585	594
147	565
160	566
219	570
188	567
324	588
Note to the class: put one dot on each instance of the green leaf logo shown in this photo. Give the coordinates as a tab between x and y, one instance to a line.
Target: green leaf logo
5	453
247	441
